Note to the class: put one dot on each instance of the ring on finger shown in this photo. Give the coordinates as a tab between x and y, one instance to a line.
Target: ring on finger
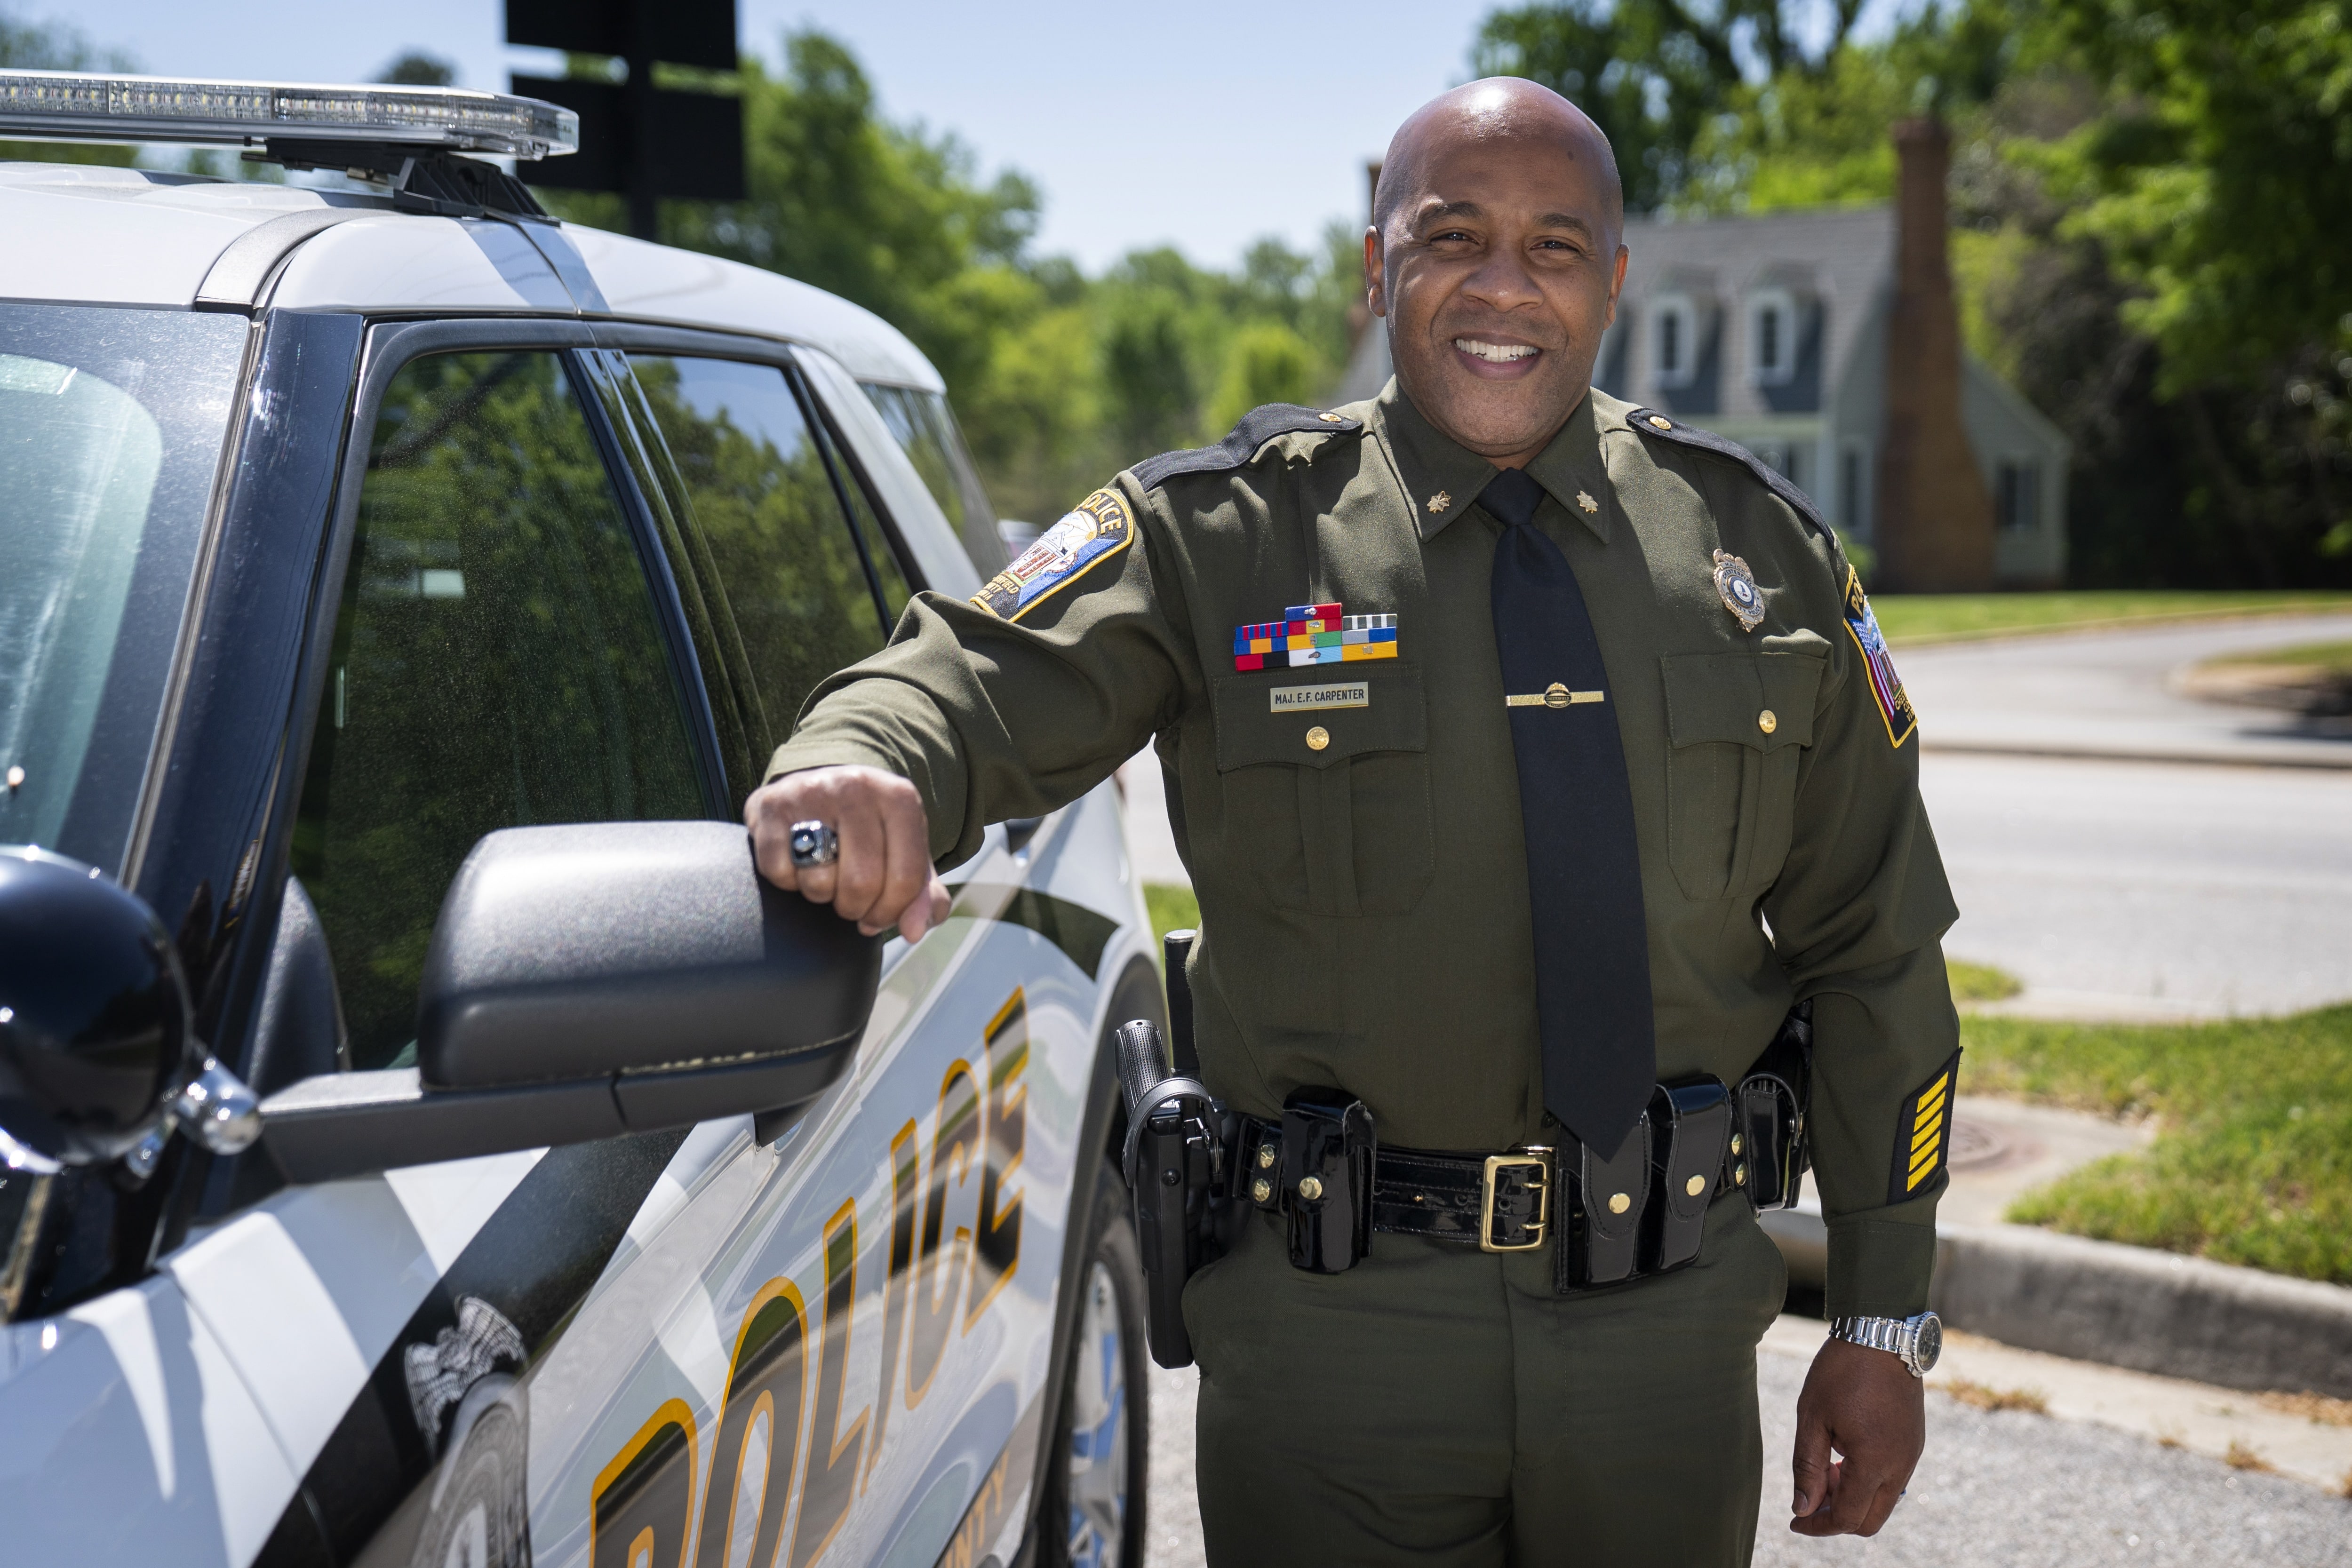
813	844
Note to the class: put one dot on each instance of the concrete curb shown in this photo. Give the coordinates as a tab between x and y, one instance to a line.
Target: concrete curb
2126	1306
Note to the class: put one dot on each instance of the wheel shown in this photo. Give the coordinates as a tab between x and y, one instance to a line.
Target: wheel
1090	1506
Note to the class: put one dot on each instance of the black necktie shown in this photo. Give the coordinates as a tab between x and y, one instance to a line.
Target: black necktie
1584	868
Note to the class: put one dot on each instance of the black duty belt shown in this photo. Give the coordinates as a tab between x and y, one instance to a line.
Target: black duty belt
1641	1212
1502	1203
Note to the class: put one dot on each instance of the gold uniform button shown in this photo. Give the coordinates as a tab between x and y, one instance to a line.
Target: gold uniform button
1767	721
1265	1157
1261	1190
1330	418
1317	738
1695	1186
1619	1203
1310	1188
1662	422
1735	1143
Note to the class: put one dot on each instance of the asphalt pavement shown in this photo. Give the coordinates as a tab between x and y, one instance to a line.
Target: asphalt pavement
2126	850
1996	1489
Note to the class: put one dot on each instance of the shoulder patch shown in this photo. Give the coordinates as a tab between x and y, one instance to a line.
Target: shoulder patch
1885	685
1096	529
1257	427
1651	422
1923	1132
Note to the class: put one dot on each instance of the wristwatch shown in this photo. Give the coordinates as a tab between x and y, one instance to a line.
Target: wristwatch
1917	1341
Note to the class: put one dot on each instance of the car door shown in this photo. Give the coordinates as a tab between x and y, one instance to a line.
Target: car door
849	1325
501	653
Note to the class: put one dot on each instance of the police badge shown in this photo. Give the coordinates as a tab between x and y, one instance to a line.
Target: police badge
1737	586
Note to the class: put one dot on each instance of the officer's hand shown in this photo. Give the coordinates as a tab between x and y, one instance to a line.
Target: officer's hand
1865	1404
884	877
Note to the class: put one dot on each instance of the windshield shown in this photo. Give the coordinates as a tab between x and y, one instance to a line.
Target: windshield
111	429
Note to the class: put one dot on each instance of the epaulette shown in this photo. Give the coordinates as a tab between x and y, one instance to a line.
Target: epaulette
1257	427
1649	421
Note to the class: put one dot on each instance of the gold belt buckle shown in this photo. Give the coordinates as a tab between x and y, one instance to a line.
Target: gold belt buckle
1536	1158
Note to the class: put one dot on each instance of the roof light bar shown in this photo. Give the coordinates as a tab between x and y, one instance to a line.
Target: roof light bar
81	105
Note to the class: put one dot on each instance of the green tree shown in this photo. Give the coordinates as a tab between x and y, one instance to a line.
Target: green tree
1265	362
1653	74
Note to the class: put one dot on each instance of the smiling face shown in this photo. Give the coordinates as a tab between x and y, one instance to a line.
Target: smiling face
1496	258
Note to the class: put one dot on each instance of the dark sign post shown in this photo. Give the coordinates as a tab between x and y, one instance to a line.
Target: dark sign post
645	142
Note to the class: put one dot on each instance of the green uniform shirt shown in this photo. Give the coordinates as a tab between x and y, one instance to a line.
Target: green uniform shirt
1364	915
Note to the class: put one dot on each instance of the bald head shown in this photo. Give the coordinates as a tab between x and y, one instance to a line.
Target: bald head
1495	253
1496	111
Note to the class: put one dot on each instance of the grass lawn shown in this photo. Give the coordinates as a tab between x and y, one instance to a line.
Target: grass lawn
1980	982
1959	617
1171	907
2253	1164
2333	658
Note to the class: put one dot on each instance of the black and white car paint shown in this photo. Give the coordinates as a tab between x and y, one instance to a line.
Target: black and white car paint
843	1339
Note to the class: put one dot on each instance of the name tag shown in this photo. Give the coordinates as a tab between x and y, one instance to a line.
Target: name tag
1302	699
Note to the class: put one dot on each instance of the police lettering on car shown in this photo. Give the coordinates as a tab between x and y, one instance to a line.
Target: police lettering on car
1543	939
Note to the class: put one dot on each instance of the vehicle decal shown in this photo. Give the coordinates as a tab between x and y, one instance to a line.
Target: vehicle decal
996	1242
641	1501
906	1193
828	1484
939	1280
532	1261
779	1366
766	1382
1006	1483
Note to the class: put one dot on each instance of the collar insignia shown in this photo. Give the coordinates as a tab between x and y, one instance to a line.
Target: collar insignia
1440	501
1586	501
1736	585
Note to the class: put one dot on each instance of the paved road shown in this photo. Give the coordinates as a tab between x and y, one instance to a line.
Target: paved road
2116	885
2115	888
2113	693
2005	1490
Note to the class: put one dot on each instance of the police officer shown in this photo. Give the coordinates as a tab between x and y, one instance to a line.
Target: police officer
1527	749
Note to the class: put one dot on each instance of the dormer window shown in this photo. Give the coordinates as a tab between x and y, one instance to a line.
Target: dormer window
1674	339
1772	337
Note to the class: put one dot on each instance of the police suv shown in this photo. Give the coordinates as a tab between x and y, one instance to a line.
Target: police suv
423	1139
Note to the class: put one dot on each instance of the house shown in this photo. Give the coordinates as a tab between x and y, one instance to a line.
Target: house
1789	334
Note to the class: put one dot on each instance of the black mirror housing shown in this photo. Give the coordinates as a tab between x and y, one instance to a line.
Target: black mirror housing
569	952
94	1012
589	981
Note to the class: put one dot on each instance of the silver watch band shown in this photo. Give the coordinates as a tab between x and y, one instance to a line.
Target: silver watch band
1878	1334
1916	1341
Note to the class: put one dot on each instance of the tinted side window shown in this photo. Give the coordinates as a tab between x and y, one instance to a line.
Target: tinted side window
804	593
498	662
926	428
889	577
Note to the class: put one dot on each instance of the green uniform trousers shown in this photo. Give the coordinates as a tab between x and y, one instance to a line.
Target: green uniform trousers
1442	1406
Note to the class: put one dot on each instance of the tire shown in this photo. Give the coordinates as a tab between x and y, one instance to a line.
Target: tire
1090	1500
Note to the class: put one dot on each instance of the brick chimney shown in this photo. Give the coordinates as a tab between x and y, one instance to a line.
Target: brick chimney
1935	526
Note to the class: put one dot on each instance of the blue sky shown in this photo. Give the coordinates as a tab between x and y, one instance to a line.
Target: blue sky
1204	126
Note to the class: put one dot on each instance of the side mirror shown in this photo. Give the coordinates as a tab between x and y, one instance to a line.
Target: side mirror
98	1057
584	982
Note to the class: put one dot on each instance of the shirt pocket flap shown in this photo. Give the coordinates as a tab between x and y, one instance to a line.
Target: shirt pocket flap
1351	712
1759	700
